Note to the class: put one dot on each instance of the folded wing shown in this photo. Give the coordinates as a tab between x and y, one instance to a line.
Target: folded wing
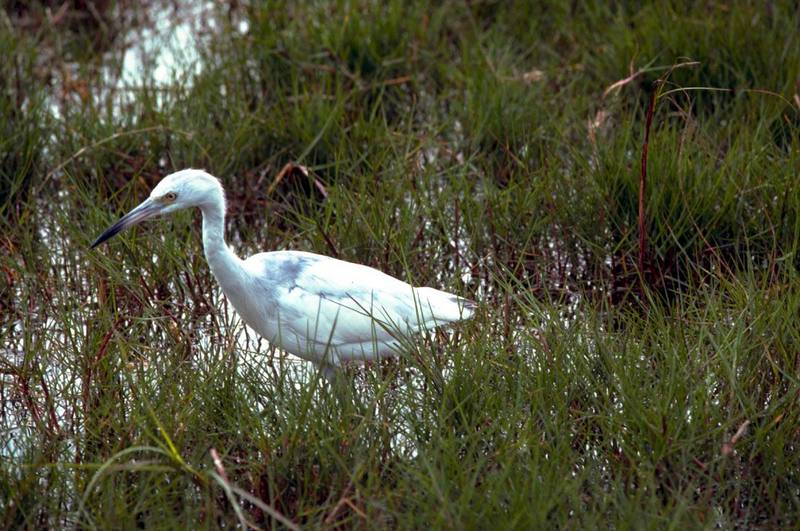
332	303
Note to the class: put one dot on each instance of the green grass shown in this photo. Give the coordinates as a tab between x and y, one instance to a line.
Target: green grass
467	146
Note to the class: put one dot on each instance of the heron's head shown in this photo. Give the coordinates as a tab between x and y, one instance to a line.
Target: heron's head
182	189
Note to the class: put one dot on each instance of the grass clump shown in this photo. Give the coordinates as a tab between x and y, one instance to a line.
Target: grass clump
492	149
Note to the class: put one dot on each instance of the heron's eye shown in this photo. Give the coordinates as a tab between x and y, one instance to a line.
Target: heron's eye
170	196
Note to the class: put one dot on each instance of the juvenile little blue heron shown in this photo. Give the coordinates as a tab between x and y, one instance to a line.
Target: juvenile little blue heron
319	308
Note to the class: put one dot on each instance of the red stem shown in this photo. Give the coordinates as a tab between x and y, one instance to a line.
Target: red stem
643	258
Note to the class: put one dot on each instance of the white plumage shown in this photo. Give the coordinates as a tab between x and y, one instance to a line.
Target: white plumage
319	308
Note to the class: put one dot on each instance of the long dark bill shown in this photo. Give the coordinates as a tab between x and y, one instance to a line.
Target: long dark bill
142	212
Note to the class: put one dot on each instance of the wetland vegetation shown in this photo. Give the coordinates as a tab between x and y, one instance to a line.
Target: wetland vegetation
635	359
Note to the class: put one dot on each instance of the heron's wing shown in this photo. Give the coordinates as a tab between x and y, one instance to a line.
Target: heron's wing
337	302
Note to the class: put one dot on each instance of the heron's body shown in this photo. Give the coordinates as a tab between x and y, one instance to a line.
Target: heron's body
319	308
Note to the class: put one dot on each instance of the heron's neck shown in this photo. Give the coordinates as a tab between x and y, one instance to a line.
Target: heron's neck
223	262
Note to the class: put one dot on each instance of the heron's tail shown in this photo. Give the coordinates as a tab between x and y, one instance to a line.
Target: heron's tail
442	307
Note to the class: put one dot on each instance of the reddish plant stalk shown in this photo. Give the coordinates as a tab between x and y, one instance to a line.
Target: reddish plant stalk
643	258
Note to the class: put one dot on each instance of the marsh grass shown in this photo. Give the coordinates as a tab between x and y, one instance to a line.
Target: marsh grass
472	147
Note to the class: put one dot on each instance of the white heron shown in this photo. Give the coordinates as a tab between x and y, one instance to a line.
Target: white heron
319	308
